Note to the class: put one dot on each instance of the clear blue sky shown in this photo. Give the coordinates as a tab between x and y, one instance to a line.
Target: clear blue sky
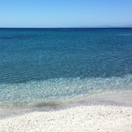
65	13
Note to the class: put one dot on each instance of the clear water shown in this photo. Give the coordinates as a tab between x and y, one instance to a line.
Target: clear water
45	66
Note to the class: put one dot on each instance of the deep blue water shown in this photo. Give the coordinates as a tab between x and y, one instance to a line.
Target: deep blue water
52	65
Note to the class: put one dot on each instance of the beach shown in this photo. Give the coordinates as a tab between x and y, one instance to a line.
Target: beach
110	112
65	66
65	80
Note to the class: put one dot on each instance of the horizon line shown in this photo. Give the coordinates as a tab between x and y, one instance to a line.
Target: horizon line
75	27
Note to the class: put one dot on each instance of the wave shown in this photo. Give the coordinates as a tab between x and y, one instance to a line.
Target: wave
59	90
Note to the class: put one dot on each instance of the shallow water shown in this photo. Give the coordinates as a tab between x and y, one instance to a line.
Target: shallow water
49	66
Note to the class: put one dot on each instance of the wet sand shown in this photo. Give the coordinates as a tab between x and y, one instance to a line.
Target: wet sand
103	113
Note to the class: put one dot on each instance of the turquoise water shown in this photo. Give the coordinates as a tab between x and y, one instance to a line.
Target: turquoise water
45	66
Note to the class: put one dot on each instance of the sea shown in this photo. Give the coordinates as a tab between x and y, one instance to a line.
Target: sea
46	66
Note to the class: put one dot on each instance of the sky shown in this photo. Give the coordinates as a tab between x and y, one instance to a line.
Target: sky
65	13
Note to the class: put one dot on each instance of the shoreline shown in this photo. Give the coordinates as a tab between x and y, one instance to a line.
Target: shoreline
107	112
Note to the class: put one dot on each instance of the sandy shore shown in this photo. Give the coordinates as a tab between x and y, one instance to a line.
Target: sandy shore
105	113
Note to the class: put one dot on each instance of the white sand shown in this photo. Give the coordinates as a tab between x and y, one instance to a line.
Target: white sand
92	115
